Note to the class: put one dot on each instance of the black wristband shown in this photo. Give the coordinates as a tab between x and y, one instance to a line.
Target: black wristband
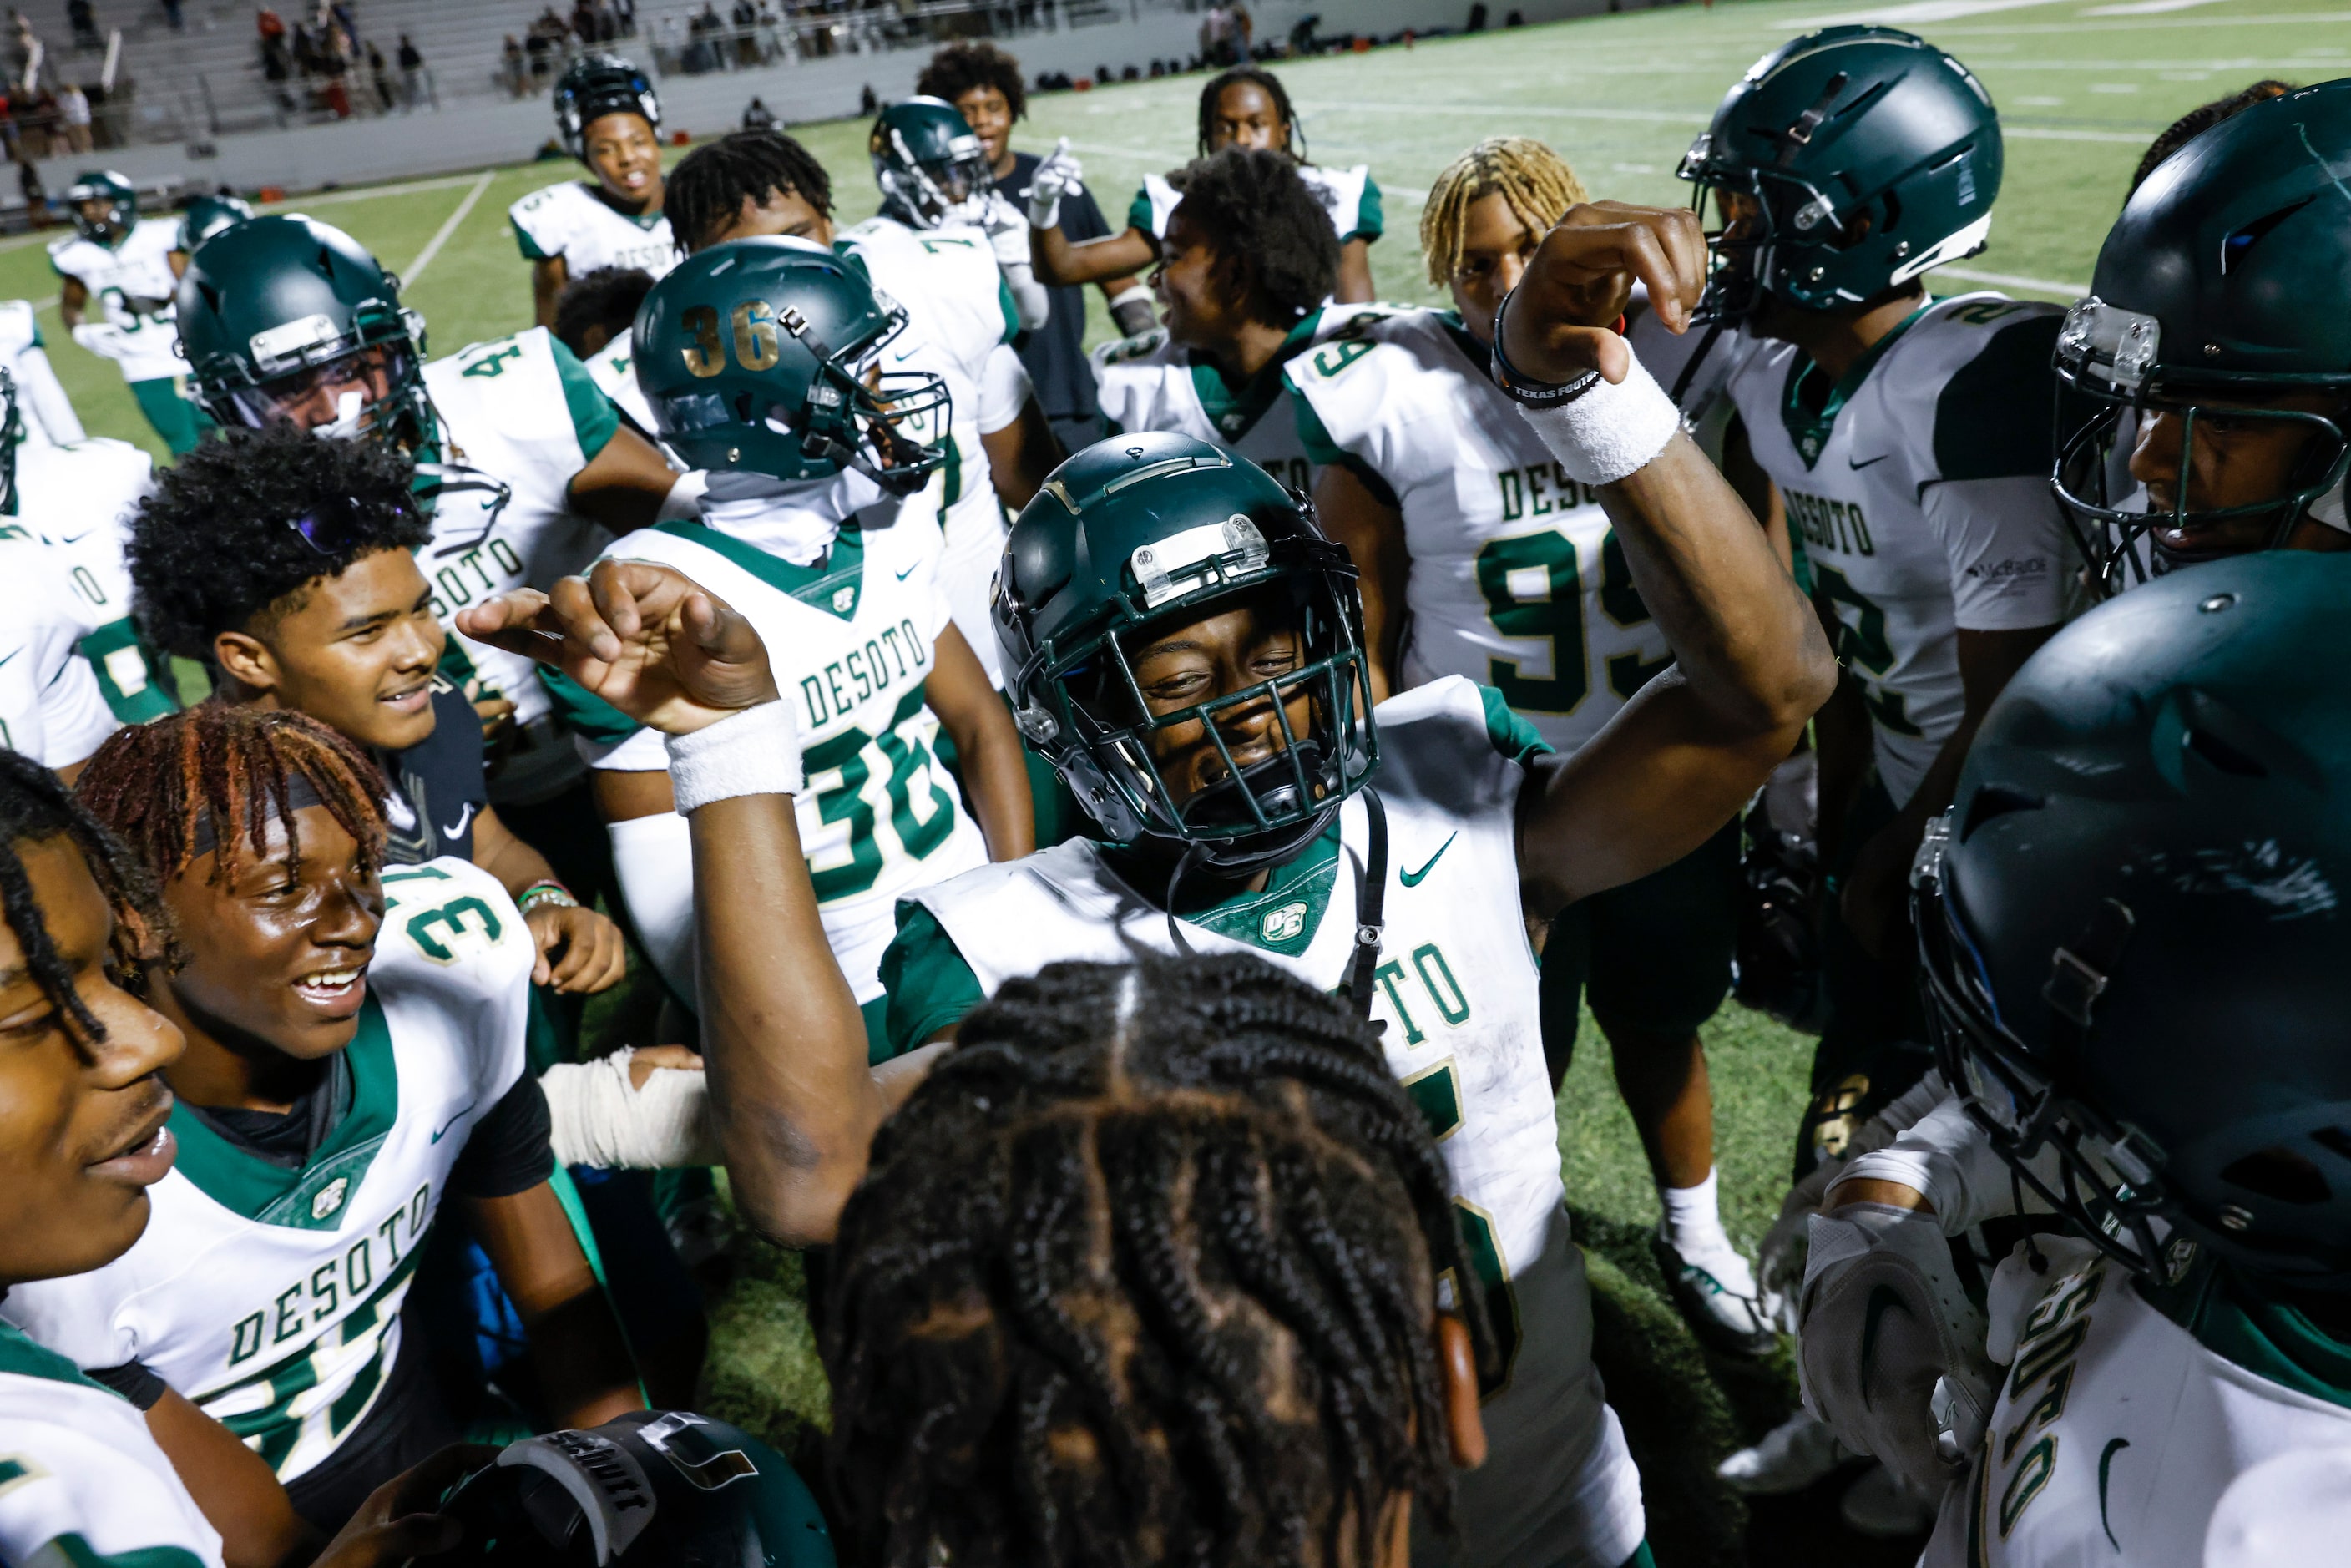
1523	388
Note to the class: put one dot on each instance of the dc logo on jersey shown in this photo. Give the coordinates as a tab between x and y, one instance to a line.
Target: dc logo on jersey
1284	923
844	600
330	1198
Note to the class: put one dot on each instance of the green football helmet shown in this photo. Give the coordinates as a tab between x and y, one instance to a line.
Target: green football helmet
932	169
654	1488
2134	919
121	200
1158	530
274	308
761	354
2224	285
595	85
1861	157
207	216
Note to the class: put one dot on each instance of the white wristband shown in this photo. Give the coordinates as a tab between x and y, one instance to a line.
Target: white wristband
1135	291
1609	431
754	752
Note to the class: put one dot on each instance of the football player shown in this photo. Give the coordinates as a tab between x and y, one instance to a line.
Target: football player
354	1056
204	217
960	327
123	263
1189	656
2129	928
1908	438
1243	273
523	464
86	1135
1243	107
935	174
610	119
1466	532
813	530
46	413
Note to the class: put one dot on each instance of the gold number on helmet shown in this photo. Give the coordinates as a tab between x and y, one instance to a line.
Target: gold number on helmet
755	336
706	356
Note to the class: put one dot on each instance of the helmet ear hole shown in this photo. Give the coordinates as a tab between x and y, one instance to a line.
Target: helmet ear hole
2279	1175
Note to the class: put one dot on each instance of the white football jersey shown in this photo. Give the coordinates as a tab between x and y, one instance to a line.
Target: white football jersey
1698	365
132	289
79	500
518	410
1456	988
1349	197
571	221
82	1484
49	414
613	369
271	1297
2114	1437
853	640
959	314
1920	489
1517	581
1150	382
51	706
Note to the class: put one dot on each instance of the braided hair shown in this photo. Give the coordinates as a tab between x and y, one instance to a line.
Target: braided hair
1144	1273
2203	118
1294	143
36	806
1533	180
221	772
710	184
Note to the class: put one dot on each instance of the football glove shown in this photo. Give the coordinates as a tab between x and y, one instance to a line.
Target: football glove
1056	175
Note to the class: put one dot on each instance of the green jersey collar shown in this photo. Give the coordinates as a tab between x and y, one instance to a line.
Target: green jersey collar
1281	918
1810	428
1232	411
2248	1328
833	584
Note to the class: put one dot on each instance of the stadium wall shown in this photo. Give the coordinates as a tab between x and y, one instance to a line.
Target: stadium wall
475	134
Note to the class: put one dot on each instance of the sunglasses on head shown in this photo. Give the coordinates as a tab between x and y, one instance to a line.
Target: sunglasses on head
329	527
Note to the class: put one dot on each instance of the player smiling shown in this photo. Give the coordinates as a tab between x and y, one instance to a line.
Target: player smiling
610	119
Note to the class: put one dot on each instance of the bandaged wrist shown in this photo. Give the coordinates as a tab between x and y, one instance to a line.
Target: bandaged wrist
1608	432
754	752
598	1117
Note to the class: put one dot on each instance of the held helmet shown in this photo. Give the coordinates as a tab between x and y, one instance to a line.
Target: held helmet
593	86
272	308
1864	155
122	199
1156	531
207	216
2224	285
931	167
652	1488
759	354
2133	922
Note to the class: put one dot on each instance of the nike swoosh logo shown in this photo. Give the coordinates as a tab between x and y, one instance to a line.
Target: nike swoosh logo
1879	458
10	654
2105	1467
910	572
452	1121
463	817
75	538
1883	1299
1413	878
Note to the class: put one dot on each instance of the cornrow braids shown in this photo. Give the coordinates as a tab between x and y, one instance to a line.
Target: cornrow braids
1533	180
1294	140
1145	1273
220	773
959	67
35	807
2203	118
710	184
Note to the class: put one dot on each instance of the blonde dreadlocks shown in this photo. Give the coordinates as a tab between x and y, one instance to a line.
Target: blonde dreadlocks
1535	180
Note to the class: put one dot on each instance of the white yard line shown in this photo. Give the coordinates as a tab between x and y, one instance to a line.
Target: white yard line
2064	133
368	192
415	269
2010	280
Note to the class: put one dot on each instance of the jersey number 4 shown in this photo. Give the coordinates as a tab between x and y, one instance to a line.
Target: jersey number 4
1533	588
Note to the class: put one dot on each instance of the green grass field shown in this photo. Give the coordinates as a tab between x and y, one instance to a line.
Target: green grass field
2082	87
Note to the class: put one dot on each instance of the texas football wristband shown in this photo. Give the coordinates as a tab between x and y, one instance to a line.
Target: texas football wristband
1603	433
756	751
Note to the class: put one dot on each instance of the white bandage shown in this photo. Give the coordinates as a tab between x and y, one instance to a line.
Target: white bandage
754	752
683	502
598	1118
1610	432
1891	1351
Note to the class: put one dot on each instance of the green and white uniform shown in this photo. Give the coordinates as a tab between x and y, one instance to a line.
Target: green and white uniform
1920	485
524	411
1149	382
131	292
569	220
1350	197
270	1296
1457	992
2128	1411
852	635
82	1484
1516	579
961	325
48	413
79	499
51	707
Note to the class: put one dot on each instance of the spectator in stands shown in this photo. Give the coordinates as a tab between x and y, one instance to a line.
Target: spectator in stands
513	66
84	23
758	116
37	197
73	118
866	102
380	73
626	10
172	15
412	73
745	18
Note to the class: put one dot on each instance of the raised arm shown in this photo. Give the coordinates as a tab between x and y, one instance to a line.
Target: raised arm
794	1103
1685	755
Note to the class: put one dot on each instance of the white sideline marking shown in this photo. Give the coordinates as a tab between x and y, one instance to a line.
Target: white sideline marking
1920	11
2010	280
415	269
2146	8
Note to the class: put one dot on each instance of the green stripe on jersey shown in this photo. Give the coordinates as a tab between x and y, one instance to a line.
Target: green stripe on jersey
71	1551
1808	427
1513	737
1368	219
19	1354
833	585
594	420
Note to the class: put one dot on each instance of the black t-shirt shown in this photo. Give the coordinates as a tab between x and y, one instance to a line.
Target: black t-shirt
438	787
1055	353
